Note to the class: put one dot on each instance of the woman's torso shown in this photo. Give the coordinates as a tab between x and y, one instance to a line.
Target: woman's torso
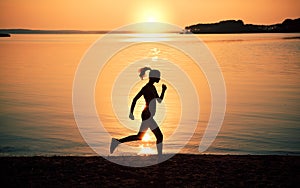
150	95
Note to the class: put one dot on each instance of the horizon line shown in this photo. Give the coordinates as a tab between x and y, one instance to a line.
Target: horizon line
110	30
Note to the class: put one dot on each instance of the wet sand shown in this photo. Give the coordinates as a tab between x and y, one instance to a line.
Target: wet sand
179	171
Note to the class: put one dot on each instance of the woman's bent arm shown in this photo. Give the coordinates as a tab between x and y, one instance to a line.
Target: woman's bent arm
164	88
134	101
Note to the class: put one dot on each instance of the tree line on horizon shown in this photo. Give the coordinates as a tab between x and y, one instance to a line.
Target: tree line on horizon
238	26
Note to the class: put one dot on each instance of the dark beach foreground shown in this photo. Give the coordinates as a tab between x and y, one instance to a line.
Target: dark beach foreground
179	171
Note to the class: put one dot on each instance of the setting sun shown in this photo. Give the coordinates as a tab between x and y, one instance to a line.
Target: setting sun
151	16
151	19
151	13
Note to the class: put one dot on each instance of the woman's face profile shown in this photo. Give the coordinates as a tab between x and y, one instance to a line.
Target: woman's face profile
156	80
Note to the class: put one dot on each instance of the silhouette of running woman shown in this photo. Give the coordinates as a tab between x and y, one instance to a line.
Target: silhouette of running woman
151	96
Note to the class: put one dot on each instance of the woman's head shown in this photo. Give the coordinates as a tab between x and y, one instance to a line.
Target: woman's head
154	75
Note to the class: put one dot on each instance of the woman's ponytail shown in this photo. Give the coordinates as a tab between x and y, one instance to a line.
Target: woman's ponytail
142	71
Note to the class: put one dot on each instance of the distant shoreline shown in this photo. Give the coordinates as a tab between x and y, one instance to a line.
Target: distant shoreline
32	31
223	27
9	32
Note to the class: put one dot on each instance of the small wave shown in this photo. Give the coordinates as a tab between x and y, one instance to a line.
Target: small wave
297	37
7	149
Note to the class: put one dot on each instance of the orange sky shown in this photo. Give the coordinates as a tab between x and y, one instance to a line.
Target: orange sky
110	14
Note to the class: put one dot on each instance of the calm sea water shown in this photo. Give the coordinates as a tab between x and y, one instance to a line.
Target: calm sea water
261	72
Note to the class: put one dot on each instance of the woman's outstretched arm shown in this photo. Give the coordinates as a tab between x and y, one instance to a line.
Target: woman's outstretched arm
164	88
131	116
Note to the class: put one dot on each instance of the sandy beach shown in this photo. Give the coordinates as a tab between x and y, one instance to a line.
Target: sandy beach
179	171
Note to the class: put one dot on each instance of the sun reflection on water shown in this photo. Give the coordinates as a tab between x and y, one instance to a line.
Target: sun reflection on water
146	150
146	147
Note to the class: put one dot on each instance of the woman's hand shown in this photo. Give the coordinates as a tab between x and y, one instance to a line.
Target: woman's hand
164	87
131	116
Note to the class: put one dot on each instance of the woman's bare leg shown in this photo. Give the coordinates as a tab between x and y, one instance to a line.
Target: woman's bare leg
115	142
159	136
138	136
131	138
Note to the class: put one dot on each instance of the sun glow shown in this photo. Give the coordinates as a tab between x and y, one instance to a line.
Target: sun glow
151	13
151	19
151	16
146	137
